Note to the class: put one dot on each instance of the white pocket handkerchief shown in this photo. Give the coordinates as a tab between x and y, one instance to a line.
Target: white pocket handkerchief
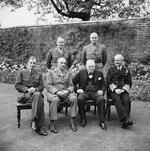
99	78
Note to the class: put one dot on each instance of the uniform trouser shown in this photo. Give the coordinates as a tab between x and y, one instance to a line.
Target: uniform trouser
54	103
99	99
37	101
122	103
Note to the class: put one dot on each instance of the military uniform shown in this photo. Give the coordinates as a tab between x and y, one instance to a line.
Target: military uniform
58	81
120	79
27	80
54	54
96	53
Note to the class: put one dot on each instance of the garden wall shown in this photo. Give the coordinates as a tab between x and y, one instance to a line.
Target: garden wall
130	37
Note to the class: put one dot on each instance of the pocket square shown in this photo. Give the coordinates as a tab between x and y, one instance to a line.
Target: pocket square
99	78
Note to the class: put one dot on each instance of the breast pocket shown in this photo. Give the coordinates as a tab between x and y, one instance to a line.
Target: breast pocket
35	80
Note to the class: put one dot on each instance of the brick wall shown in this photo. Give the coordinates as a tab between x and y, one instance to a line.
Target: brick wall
130	37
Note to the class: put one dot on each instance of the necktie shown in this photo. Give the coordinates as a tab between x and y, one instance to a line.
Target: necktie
31	72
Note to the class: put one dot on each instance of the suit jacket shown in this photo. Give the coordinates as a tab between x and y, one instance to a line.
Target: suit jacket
53	56
81	78
119	79
58	81
97	53
24	80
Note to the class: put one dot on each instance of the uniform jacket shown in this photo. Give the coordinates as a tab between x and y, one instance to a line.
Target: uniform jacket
53	56
98	53
24	80
57	81
119	79
81	78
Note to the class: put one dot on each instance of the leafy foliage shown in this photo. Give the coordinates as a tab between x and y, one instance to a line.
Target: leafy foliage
84	9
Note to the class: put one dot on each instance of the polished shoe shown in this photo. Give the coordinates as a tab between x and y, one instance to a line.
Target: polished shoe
83	123
73	127
103	126
130	122
41	132
125	124
53	129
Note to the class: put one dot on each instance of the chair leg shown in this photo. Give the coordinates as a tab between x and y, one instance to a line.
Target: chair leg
18	116
129	108
94	109
66	110
109	111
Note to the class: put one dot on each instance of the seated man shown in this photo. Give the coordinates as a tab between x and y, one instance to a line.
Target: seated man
91	86
60	88
29	84
119	83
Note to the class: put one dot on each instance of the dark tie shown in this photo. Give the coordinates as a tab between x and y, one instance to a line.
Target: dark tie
31	72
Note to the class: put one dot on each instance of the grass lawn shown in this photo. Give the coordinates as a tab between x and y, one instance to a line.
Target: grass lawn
90	138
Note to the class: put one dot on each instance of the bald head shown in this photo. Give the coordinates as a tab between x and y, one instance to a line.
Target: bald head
60	42
90	65
61	63
94	38
118	60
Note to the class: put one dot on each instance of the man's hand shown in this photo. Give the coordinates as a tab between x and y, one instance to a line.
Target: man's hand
80	91
119	91
63	93
100	92
31	90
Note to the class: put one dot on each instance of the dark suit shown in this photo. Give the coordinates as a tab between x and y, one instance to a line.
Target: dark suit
24	81
90	87
120	79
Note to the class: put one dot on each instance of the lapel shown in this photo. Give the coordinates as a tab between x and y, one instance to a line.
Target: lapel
58	52
85	76
28	72
95	74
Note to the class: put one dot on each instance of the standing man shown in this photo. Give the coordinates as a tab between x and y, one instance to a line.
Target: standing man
95	51
91	85
119	83
60	88
56	53
29	84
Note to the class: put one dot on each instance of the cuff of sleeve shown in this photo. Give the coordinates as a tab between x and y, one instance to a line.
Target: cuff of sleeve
25	90
56	91
112	87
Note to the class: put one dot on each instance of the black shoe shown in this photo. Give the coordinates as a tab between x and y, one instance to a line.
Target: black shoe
125	124
73	127
103	126
130	122
83	123
41	132
53	129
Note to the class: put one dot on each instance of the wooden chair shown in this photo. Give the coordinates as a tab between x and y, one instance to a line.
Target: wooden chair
22	107
91	103
109	103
